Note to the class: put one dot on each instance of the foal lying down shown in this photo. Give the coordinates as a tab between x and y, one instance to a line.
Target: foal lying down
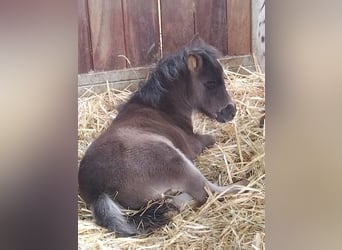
147	152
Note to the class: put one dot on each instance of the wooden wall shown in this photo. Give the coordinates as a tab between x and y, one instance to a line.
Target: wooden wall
118	34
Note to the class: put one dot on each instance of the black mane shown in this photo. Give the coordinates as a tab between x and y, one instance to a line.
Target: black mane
169	69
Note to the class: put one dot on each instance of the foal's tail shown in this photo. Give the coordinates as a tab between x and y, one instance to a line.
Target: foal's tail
109	215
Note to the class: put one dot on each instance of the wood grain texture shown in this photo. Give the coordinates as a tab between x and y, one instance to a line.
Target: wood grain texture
141	31
85	60
106	22
109	30
178	25
239	27
211	22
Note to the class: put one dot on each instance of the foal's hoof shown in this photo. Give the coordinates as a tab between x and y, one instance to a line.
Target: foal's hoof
236	187
242	182
240	186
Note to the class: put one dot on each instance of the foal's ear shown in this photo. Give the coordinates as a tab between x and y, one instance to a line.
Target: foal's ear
197	41
194	62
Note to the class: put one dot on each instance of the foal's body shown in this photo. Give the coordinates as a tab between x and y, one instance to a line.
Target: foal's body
147	151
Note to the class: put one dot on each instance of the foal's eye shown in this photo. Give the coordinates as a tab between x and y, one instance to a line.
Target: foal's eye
210	85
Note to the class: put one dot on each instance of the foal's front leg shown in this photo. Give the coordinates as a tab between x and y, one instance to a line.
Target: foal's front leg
198	142
206	140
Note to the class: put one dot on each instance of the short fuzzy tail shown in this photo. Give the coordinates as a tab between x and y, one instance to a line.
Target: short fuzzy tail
109	215
154	216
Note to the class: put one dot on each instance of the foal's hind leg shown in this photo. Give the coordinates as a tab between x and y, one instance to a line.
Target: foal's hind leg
193	183
183	200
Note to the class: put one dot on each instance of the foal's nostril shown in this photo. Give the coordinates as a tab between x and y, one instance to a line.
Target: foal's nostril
232	108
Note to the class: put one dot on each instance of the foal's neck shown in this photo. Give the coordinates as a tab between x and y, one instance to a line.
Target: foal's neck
179	109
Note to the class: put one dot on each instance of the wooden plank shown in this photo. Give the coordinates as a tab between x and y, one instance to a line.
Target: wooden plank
238	64
239	27
178	26
211	23
139	73
127	78
255	6
122	78
106	22
141	31
85	61
90	90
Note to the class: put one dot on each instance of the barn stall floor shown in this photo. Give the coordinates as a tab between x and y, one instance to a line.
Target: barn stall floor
237	221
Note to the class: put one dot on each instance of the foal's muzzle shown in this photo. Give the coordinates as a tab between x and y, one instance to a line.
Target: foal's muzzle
226	114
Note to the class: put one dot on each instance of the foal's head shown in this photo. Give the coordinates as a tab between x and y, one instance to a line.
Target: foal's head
194	77
209	94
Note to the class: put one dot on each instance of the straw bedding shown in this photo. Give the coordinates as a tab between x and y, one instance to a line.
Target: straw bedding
234	222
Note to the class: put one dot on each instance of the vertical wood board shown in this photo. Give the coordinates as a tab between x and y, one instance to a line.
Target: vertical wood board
141	31
239	27
178	25
107	33
85	60
211	22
